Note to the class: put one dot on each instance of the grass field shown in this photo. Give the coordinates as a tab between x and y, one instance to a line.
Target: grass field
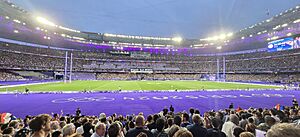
135	85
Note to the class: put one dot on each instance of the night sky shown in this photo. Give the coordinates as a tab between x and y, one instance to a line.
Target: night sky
164	18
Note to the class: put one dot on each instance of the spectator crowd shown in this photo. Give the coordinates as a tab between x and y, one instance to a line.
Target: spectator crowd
230	122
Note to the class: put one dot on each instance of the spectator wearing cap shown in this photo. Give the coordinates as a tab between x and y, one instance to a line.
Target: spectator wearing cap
196	129
100	130
40	125
139	122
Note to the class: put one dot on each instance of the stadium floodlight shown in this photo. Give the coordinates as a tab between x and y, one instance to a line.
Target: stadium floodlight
177	39
16	31
215	38
284	25
219	47
45	21
223	36
230	34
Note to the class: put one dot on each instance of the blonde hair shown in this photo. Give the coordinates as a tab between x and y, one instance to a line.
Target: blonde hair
284	130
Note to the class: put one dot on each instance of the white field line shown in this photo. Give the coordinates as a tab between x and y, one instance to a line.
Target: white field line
252	84
20	85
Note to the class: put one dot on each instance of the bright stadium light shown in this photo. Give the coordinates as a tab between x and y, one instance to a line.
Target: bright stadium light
289	34
229	34
219	47
223	36
177	39
45	21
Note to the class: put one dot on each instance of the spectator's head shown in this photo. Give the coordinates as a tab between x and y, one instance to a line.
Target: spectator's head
234	119
87	127
244	116
139	121
170	122
251	120
68	130
155	117
192	110
183	133
54	125
246	134
270	121
185	117
177	120
114	130
173	130
160	124
62	124
216	123
100	129
149	118
283	130
237	131
40	123
197	119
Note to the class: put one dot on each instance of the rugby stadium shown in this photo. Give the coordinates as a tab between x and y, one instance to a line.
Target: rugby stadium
59	81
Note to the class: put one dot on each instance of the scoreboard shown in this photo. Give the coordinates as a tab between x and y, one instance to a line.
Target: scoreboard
284	44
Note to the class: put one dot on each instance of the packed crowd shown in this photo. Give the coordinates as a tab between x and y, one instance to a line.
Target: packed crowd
230	122
277	78
6	76
34	58
133	76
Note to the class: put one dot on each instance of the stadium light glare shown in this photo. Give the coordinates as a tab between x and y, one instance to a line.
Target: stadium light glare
177	39
289	34
223	36
242	37
230	34
219	47
45	21
16	31
284	25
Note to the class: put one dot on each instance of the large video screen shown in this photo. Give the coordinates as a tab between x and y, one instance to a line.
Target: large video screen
281	44
297	42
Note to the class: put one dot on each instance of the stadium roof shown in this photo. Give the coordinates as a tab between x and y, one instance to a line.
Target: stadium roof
164	18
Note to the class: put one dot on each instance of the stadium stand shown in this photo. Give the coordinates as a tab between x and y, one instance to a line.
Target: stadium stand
31	51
